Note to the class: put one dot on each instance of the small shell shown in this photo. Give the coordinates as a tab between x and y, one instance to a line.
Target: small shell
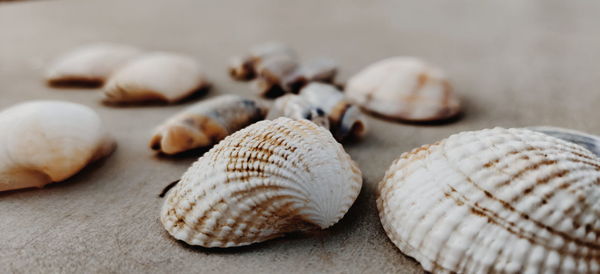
495	201
324	105
48	141
244	68
404	88
261	182
346	120
90	65
591	142
277	70
205	123
296	107
156	77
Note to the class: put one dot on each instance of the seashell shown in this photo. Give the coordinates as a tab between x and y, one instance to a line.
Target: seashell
268	179
244	68
324	105
591	142
277	70
205	123
404	88
162	77
296	107
48	141
90	65
495	201
347	121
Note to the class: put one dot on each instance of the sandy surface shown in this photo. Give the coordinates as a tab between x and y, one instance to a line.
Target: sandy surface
515	63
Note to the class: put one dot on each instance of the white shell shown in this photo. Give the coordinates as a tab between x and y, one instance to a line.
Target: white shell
268	179
163	77
296	107
404	88
48	141
90	65
205	123
496	200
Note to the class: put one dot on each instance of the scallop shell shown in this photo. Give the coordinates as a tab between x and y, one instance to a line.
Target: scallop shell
205	123
296	107
404	88
90	65
48	141
496	200
268	179
163	77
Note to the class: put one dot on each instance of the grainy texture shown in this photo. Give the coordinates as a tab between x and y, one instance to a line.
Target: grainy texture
515	63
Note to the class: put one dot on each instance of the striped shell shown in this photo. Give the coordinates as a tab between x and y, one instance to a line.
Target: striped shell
205	123
48	141
496	200
90	65
404	88
164	77
268	179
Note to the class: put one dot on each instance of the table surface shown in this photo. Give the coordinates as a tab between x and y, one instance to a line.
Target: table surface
515	63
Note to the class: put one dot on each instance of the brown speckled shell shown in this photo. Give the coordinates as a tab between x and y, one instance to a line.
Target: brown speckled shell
261	182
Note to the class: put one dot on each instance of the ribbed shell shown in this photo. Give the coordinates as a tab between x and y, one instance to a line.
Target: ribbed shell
263	181
48	141
205	123
404	88
162	76
495	200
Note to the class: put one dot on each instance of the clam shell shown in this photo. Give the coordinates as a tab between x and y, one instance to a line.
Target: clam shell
48	141
162	77
90	65
205	123
496	200
404	88
244	68
268	179
296	107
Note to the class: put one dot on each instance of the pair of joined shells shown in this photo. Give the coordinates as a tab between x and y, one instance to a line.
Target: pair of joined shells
496	200
326	106
277	70
404	88
128	74
268	179
205	123
48	141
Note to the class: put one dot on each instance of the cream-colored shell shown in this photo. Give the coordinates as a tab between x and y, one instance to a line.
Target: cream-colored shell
163	77
48	141
268	179
496	200
296	107
404	88
205	123
90	65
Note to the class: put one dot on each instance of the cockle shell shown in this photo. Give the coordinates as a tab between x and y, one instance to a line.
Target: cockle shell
268	179
48	141
326	106
205	123
496	200
296	107
404	88
90	65
165	77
